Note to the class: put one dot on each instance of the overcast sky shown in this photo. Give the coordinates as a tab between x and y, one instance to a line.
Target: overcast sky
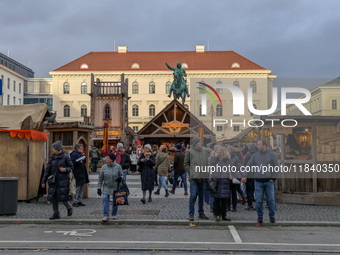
293	38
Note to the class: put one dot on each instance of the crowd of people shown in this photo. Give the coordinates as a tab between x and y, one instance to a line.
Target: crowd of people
158	166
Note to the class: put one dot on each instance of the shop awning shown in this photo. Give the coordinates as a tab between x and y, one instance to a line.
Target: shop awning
29	134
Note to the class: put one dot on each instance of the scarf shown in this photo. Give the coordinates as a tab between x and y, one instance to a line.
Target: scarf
119	157
147	154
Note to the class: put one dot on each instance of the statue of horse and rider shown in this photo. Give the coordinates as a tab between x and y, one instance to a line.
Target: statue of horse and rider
179	86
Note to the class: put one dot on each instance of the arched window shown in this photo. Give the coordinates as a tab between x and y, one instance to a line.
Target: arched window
167	87
186	106
236	83
255	106
135	87
152	110
135	110
152	88
253	86
107	112
219	90
83	111
66	111
66	88
200	110
219	110
84	88
201	86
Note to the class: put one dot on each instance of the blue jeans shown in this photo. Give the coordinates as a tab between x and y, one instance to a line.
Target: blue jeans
184	180
95	163
106	205
125	173
161	182
196	189
260	189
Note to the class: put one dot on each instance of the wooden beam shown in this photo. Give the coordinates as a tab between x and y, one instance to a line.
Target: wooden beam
165	117
185	114
166	131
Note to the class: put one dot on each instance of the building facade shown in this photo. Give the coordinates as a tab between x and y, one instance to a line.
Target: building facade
150	81
324	101
13	76
39	90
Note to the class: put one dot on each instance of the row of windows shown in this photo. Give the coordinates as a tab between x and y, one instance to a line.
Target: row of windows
220	128
14	100
152	87
152	110
66	88
9	84
83	111
219	110
236	83
16	68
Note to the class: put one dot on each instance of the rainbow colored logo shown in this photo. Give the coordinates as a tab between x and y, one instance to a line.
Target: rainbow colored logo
209	93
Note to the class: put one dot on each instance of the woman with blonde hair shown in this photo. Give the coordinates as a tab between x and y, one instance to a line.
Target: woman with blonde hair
221	158
162	168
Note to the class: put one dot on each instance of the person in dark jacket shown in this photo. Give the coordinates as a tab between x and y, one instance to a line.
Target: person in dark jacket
59	165
250	181
221	158
95	156
264	179
146	163
179	170
123	159
80	174
235	161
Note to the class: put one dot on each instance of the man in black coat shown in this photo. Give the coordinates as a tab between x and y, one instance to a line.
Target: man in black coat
59	166
80	173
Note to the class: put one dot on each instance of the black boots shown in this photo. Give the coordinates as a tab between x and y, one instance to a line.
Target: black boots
55	217
157	192
166	193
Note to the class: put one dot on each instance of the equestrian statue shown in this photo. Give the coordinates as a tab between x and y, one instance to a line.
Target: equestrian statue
179	86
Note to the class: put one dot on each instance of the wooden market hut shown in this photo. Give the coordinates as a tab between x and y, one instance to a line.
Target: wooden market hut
70	134
23	141
313	144
174	124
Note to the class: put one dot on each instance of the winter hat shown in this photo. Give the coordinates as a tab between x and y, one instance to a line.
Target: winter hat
119	145
148	146
231	148
178	146
195	141
57	145
112	156
216	146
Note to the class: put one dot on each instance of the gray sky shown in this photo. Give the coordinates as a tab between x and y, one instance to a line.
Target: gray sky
293	38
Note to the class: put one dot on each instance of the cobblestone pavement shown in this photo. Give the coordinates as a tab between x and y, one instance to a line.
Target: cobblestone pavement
174	207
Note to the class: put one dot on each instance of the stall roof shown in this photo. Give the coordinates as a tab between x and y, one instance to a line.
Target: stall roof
239	136
14	116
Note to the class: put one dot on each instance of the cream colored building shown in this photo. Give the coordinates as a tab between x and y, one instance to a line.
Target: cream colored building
150	81
324	101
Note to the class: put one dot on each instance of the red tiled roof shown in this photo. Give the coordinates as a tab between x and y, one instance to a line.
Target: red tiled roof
155	61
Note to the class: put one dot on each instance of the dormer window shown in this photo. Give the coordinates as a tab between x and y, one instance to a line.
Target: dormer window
84	66
135	66
235	65
185	65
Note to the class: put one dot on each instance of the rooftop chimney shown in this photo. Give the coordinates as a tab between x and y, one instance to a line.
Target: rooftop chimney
122	49
200	48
